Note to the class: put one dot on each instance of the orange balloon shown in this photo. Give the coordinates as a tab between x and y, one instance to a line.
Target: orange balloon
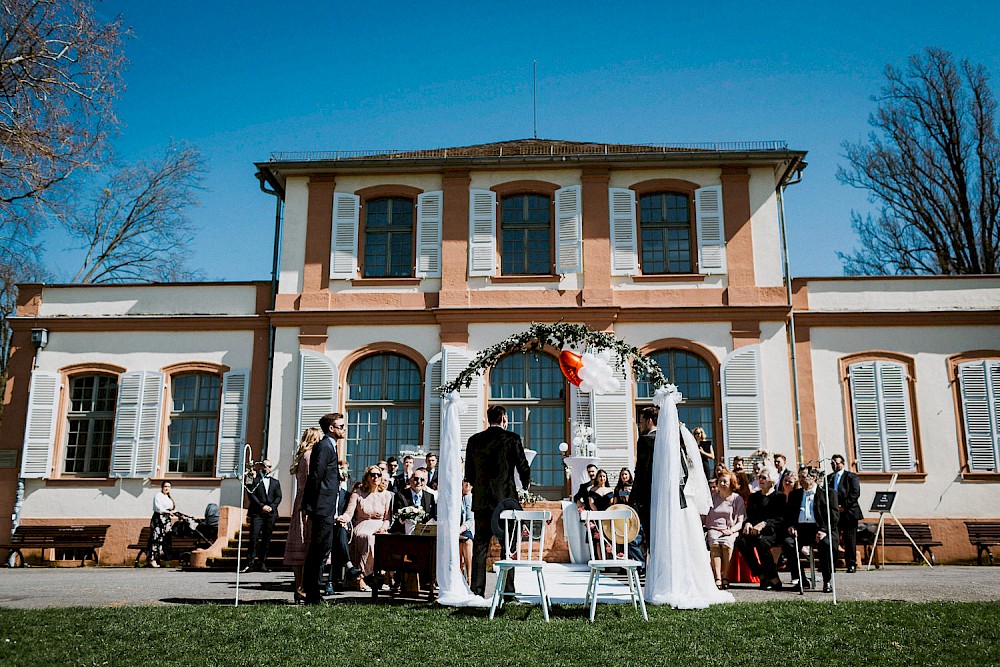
570	363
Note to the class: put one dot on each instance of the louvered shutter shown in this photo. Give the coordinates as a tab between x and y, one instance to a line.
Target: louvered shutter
569	231
579	409
482	233
147	447
742	396
710	229
40	425
624	249
611	417
317	389
979	382
429	235
456	359
232	422
344	240
880	403
432	405
137	424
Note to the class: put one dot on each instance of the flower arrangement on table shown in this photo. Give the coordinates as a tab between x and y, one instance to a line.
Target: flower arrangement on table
526	497
412	513
583	444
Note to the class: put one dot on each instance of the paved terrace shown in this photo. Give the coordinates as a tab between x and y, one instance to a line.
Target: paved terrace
33	588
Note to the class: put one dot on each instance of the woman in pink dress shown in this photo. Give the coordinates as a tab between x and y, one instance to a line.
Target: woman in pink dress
369	510
298	529
724	520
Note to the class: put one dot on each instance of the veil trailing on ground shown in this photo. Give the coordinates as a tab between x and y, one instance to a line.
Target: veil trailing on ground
453	590
678	571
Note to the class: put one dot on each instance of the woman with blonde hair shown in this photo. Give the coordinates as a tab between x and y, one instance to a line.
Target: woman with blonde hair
369	510
298	529
724	521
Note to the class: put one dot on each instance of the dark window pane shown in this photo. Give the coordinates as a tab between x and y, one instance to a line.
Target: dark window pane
388	238
194	423
91	421
665	233
525	235
693	377
383	409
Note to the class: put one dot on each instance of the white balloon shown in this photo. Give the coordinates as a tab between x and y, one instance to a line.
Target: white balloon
586	387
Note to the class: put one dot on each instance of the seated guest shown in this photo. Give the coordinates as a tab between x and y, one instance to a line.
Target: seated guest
742	485
600	494
369	511
762	530
723	522
789	483
623	489
806	518
417	495
581	493
467	530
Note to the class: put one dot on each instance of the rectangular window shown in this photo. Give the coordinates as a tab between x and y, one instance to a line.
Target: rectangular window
194	423
526	235
91	424
388	238
665	233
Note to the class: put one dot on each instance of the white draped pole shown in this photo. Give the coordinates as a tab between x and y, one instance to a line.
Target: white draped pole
453	590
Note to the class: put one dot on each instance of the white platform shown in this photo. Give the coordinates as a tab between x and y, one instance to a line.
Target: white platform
567	584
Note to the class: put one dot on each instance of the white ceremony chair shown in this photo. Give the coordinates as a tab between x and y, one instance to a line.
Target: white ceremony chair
612	523
523	545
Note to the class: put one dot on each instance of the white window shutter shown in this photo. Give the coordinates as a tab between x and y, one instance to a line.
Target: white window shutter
742	398
432	405
569	231
624	248
482	233
127	416
979	382
880	404
611	418
429	217
317	389
40	425
457	359
344	240
232	422
147	447
710	229
579	409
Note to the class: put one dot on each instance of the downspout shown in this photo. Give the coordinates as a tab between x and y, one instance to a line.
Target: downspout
780	191
276	254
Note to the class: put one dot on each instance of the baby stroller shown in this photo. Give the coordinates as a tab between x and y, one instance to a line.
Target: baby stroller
188	533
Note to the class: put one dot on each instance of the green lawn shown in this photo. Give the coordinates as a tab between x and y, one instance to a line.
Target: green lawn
853	633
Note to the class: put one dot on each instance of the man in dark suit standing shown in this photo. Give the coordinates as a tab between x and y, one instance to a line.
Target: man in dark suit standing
642	487
848	488
491	459
264	498
806	518
432	471
415	495
581	493
321	502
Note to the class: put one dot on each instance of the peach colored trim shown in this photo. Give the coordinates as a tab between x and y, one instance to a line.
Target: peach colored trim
664	185
139	323
807	395
954	361
800	294
745	332
29	300
15	414
388	190
524	186
385	282
596	228
257	394
739	236
319	228
346	301
455	238
172	371
670	278
263	303
93	367
993	477
313	336
887	476
383	192
845	384
709	357
944	318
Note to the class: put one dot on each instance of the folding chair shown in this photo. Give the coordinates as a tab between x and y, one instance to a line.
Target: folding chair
524	540
612	528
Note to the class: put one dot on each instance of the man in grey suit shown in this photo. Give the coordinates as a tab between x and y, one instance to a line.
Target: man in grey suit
321	501
491	459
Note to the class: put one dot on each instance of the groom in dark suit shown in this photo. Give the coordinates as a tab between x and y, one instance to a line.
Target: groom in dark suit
491	459
321	501
264	498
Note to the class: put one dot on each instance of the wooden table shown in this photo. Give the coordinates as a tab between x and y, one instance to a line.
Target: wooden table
414	554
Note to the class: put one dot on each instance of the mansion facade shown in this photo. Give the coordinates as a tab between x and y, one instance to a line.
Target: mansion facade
396	269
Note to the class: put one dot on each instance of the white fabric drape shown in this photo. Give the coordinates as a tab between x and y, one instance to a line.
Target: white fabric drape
678	571
453	591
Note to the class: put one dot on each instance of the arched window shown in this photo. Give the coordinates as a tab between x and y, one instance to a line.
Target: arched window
194	422
91	415
694	378
388	237
665	233
383	408
533	390
526	234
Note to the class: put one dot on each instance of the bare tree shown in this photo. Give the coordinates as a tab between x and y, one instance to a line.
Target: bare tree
136	228
932	166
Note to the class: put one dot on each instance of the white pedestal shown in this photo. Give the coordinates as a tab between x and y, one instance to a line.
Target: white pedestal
530	455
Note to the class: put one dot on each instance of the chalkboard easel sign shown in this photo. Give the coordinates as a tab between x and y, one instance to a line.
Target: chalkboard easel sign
882	502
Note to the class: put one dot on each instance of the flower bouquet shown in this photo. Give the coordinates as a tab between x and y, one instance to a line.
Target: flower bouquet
526	497
411	516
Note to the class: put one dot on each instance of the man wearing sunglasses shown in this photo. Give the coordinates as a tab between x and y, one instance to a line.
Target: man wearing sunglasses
416	494
322	501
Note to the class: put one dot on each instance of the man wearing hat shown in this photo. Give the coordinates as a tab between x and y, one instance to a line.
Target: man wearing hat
491	458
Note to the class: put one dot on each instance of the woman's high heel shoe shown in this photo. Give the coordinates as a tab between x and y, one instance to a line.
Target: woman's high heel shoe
299	598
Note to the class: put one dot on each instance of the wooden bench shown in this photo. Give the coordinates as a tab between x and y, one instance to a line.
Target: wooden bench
983	535
177	546
85	538
894	537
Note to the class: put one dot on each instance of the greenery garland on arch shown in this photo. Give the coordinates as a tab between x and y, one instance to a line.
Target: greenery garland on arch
561	335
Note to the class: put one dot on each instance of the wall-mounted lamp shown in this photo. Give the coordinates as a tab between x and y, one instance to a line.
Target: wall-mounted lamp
39	338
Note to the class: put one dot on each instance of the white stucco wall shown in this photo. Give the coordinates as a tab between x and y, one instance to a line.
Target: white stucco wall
282	438
151	350
943	494
775	367
175	299
938	293
293	235
766	233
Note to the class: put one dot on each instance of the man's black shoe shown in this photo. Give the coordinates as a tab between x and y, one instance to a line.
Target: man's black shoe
248	568
804	584
851	569
827	587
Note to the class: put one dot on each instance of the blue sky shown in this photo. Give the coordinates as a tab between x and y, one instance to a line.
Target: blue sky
242	79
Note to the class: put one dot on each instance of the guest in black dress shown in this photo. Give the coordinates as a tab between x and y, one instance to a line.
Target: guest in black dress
763	530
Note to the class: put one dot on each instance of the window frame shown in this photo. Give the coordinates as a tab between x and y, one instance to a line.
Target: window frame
370	194
909	364
69	415
954	362
173	415
525	187
667	186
